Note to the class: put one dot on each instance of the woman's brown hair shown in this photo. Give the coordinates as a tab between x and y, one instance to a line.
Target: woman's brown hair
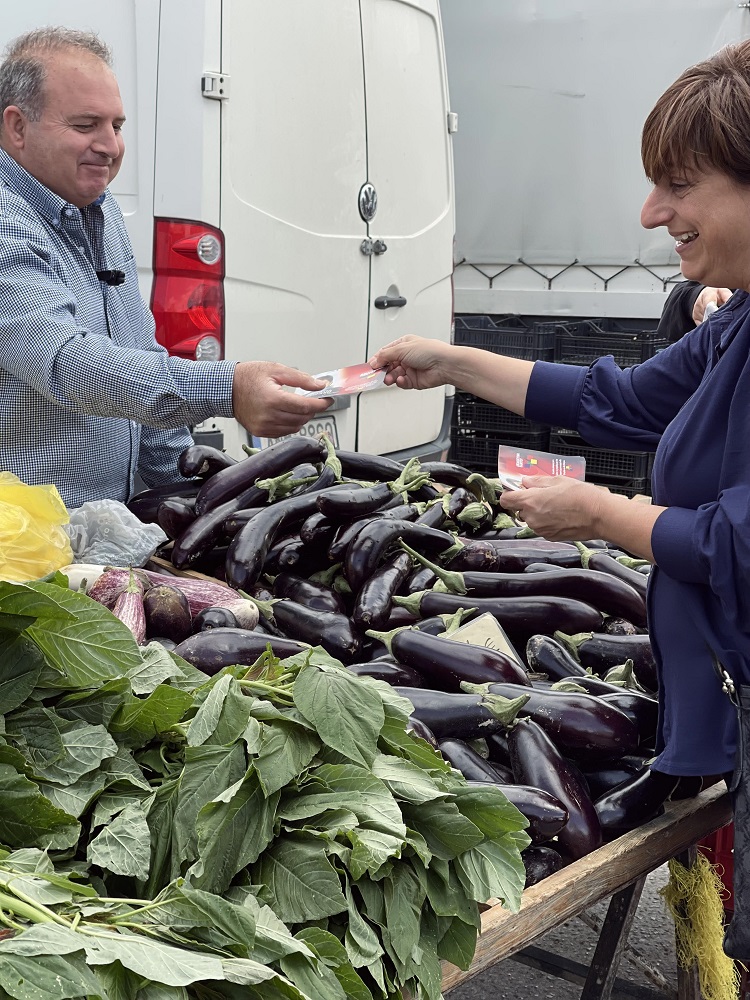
703	119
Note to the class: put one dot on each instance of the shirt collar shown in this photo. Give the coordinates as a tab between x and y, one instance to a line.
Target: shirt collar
49	205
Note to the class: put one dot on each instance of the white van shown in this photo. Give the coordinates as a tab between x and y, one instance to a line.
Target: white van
311	139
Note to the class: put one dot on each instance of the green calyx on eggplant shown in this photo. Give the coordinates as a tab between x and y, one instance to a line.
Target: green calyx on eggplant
465	716
600	652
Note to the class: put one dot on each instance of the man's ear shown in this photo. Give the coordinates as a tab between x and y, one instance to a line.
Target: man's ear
14	128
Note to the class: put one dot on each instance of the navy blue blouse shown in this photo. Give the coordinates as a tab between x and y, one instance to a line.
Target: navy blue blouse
691	405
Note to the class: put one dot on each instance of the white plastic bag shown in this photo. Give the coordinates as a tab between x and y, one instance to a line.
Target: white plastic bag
106	532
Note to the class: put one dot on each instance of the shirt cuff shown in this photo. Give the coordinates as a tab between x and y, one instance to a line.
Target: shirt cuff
207	387
554	393
671	543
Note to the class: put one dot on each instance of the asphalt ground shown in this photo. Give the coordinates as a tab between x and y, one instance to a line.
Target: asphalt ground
649	959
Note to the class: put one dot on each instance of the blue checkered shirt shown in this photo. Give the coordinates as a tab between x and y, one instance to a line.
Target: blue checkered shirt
87	396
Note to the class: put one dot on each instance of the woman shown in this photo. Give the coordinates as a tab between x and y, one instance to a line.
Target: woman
690	403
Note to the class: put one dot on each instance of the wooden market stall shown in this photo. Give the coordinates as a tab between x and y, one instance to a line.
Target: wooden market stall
617	870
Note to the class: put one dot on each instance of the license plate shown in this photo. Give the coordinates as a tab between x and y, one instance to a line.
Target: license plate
312	429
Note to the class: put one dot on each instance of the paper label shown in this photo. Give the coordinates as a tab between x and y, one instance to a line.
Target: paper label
513	463
347	381
485	630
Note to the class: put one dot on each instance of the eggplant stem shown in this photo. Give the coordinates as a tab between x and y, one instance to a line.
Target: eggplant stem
586	553
572	642
386	637
332	459
454	621
486	489
632	563
412	603
327	576
453	581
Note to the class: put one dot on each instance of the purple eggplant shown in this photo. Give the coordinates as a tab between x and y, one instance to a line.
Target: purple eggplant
228	483
605	777
447	473
167	612
582	726
465	759
640	707
616	625
445	664
292	555
540	863
512	555
603	591
418	728
128	607
329	629
145	505
545	813
313	595
316	527
391	673
420	579
464	716
203	460
360	465
635	801
366	551
599	653
173	516
546	655
214	618
217	648
372	606
348	531
537	762
521	617
604	562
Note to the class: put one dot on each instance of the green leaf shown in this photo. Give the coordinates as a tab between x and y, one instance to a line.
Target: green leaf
96	707
403	896
458	944
316	982
46	977
367	796
406	780
84	749
36	732
489	809
371	849
162	963
493	868
156	991
25	603
300	883
156	666
139	720
360	939
160	810
124	845
446	895
347	713
91	647
273	938
208	772
223	717
285	750
22	667
446	831
28	819
246	972
233	830
43	939
76	798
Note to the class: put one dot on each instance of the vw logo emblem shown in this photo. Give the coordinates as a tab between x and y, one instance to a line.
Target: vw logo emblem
368	202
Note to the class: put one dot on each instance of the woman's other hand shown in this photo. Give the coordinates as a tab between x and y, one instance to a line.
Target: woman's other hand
718	296
558	508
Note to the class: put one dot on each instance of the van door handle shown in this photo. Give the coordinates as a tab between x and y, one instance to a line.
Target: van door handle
389	301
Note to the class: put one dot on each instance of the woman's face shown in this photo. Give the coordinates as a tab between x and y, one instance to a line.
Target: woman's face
708	214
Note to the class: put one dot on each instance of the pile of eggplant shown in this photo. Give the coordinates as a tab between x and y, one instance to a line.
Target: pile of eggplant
378	563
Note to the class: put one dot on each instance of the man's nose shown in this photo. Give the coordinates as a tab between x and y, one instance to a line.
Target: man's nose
656	211
108	141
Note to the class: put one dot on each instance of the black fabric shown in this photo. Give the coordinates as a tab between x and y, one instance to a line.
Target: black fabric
677	314
737	937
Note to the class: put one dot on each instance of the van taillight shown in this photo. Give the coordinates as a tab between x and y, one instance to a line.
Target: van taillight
187	296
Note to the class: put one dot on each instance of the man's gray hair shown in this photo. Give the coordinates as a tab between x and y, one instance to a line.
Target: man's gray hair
23	70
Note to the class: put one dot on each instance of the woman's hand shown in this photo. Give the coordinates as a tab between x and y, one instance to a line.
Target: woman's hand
717	296
558	508
416	363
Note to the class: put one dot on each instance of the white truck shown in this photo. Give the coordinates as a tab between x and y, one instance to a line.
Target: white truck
551	97
287	186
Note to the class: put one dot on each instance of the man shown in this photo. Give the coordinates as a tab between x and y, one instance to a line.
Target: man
87	397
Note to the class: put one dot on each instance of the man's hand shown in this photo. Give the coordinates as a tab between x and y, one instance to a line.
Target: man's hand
416	363
263	406
717	295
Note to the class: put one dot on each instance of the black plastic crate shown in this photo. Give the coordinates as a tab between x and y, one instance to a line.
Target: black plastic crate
509	335
629	341
478	452
470	413
628	487
602	464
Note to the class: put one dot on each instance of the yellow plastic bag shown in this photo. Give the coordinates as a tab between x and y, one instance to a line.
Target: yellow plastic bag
32	541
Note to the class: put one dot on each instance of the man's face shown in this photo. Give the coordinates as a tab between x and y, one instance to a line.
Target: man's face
76	147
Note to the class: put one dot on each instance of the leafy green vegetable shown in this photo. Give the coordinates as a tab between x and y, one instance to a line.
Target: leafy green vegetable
272	833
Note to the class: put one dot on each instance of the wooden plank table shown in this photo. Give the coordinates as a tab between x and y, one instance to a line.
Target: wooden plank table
615	870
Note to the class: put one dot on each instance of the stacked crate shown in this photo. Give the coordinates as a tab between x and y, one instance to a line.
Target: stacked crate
478	427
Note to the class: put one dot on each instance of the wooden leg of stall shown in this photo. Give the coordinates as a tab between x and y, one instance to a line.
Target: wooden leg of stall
612	942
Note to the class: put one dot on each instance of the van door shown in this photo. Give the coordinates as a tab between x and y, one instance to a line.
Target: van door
293	163
409	160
